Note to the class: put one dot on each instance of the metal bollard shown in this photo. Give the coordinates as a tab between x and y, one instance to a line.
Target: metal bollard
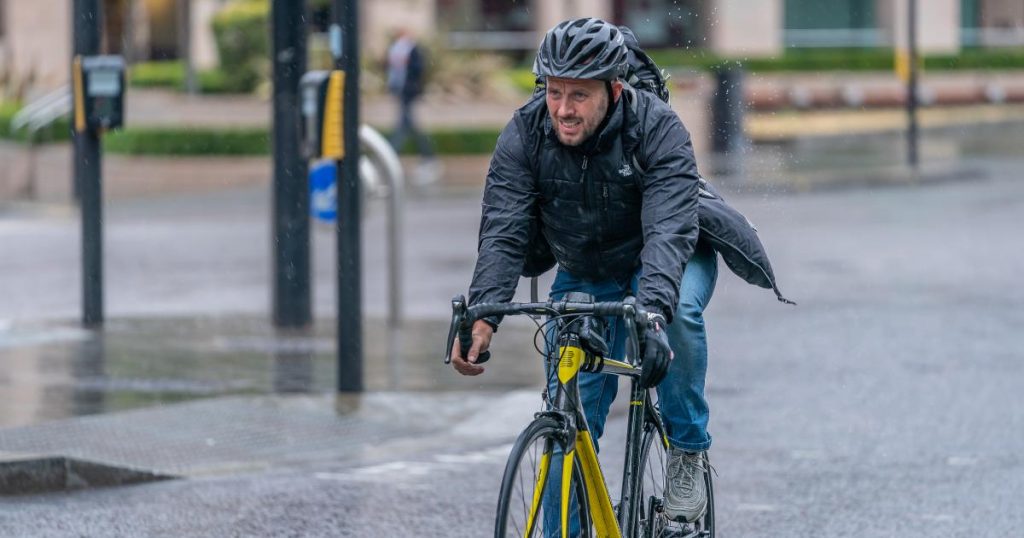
727	111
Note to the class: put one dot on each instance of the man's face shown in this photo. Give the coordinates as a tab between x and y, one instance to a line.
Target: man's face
577	107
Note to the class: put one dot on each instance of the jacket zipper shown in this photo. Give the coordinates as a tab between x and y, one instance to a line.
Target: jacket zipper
585	184
587	205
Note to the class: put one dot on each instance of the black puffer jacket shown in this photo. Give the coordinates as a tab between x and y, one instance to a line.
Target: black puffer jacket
601	217
628	197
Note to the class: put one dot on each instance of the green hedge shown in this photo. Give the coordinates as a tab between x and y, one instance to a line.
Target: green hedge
7	112
165	74
242	31
57	131
474	141
196	141
189	141
256	141
978	59
171	74
880	59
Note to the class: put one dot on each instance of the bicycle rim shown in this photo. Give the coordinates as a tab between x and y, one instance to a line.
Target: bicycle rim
529	506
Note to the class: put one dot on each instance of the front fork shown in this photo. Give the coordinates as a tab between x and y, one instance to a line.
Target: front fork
632	473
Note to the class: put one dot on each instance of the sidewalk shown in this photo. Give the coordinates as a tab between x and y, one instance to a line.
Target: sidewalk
45	174
147	399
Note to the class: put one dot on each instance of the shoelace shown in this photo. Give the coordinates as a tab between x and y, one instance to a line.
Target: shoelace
690	463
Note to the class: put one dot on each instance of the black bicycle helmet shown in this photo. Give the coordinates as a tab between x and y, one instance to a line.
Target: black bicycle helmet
582	48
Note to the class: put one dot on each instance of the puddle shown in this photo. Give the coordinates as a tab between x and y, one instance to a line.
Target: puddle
56	371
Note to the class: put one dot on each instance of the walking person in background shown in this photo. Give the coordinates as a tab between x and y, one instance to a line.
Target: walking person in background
406	69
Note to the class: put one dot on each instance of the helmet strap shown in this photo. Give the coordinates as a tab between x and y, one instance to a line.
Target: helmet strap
611	100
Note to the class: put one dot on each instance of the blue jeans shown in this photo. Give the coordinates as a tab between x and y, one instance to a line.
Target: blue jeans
680	394
406	127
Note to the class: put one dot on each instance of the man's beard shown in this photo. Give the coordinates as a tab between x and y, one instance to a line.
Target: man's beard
586	130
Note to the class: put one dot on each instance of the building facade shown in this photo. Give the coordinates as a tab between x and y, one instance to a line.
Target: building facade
732	27
35	36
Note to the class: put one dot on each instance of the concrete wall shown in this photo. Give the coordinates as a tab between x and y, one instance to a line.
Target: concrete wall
1002	14
938	24
381	18
547	13
204	44
38	41
745	27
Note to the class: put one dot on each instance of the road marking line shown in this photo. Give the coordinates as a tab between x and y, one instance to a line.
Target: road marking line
753	507
961	461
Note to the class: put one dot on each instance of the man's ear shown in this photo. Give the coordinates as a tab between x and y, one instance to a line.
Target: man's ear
616	90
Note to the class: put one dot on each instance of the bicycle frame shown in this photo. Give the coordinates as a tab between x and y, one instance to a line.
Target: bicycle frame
567	408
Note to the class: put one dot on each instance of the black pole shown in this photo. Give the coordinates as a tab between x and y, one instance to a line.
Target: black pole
87	169
912	136
292	302
727	110
350	319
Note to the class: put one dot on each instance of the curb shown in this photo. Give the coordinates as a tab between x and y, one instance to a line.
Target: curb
828	181
26	474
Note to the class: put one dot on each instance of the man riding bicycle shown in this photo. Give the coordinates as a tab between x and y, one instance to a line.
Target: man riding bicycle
605	177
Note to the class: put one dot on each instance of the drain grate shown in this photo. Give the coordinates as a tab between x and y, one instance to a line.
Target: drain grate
29	474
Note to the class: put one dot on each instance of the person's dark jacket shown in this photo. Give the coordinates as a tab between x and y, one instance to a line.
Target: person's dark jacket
415	73
601	217
639	202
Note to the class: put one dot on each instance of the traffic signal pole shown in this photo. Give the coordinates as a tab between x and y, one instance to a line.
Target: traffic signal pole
345	45
292	303
87	22
912	128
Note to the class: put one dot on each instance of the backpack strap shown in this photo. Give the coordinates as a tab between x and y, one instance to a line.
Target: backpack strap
530	144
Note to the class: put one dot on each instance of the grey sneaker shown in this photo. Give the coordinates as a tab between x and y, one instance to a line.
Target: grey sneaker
685	496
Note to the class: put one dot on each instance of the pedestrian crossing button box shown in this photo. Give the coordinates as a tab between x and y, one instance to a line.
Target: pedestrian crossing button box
99	92
321	94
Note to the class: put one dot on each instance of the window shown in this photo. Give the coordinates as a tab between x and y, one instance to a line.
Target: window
661	23
831	23
485	15
488	24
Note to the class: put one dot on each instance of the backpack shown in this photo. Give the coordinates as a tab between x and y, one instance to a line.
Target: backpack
641	71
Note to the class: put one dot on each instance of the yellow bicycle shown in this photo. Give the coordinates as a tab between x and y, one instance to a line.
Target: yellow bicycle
553	485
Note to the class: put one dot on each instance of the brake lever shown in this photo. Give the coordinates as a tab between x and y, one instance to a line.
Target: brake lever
632	317
458	315
464	333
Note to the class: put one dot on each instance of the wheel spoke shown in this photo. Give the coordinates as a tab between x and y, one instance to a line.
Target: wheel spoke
525	491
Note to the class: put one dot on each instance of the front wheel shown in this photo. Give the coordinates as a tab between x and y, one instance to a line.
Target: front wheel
529	504
653	466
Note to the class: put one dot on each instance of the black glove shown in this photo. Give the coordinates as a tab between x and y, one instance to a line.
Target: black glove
656	352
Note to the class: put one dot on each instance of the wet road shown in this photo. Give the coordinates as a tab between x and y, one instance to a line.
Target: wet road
887	403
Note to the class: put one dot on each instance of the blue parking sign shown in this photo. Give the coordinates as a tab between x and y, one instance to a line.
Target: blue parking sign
323	191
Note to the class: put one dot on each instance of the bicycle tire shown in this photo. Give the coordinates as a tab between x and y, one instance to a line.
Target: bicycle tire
520	480
650	494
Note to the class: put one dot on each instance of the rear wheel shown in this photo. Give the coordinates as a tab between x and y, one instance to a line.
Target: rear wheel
529	504
653	465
